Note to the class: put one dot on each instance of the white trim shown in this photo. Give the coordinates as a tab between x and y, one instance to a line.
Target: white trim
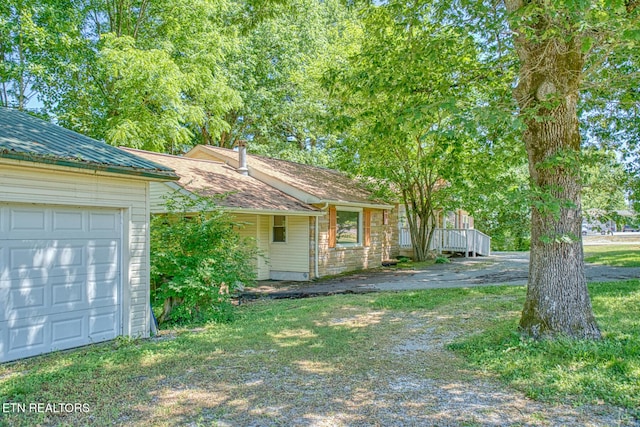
360	236
358	204
80	170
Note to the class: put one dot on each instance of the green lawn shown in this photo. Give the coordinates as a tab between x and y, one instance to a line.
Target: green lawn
221	370
614	255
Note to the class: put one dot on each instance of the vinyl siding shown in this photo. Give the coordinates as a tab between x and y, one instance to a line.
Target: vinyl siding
251	225
159	191
263	247
294	254
25	182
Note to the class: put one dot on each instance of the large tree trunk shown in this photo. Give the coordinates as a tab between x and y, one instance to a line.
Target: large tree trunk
557	302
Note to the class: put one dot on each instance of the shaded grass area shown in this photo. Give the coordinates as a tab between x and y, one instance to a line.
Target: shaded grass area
579	371
227	371
613	255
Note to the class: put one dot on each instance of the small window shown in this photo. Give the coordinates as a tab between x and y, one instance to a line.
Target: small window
348	227
279	228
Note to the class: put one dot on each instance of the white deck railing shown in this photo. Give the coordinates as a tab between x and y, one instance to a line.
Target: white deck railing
466	240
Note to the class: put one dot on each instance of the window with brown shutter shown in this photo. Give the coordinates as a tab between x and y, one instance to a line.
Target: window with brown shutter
332	226
367	227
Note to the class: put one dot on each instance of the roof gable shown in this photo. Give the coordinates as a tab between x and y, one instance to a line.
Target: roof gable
24	137
210	178
325	185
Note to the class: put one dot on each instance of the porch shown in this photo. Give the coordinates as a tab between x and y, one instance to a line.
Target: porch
468	241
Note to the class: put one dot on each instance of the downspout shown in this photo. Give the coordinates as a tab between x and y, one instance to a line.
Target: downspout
317	241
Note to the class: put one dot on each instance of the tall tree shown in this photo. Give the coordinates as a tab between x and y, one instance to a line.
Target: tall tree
554	41
276	69
33	36
147	74
409	99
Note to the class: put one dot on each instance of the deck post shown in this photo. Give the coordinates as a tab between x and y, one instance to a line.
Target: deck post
475	243
466	235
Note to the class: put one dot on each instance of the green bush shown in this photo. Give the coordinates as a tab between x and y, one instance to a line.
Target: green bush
198	260
442	260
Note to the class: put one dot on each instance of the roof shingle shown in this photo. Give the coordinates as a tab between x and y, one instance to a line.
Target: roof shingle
210	178
322	183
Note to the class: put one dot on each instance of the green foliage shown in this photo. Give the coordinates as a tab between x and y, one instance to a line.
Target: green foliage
585	371
275	69
197	261
442	260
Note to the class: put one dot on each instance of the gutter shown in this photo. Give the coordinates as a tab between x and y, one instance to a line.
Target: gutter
382	206
168	175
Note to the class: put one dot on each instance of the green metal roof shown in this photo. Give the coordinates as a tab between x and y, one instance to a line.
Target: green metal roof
24	137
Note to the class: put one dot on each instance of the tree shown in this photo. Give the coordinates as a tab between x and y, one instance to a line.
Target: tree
276	69
554	41
33	36
408	102
146	74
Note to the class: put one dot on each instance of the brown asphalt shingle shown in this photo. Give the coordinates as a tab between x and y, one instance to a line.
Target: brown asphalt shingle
211	178
325	184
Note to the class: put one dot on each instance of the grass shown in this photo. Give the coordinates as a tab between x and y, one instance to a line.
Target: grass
578	371
613	255
291	350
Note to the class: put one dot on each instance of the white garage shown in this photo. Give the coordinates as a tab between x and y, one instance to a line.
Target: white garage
74	252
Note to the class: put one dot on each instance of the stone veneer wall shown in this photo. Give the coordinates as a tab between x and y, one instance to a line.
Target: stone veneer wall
384	245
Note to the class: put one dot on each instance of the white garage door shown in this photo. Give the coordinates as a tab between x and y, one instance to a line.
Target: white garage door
59	278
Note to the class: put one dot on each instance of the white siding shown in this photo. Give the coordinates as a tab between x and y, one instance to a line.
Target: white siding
250	228
159	191
25	182
263	247
293	255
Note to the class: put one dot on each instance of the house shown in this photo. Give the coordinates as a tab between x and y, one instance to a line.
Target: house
354	231
74	238
277	222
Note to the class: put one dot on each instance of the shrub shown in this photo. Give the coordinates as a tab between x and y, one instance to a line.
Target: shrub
198	260
442	260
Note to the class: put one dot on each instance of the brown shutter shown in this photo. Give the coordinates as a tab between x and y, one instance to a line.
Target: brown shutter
332	226
367	227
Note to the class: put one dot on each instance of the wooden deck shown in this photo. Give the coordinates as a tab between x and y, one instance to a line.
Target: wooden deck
468	241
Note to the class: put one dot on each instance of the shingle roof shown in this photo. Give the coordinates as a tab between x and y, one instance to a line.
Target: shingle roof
25	137
322	183
211	178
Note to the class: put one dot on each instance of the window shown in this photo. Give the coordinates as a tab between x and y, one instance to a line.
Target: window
348	227
279	228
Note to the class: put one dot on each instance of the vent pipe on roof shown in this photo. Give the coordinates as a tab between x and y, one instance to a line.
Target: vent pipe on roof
242	157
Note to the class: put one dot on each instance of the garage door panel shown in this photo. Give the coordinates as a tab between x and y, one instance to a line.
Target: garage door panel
21	300
31	335
102	325
42	334
103	222
101	293
27	220
60	277
69	221
68	293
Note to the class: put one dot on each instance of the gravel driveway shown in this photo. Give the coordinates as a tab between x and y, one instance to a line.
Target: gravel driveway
501	268
425	385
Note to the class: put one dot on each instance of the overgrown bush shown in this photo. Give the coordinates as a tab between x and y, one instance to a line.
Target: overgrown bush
198	260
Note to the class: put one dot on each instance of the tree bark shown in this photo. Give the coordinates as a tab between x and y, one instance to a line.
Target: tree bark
557	302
